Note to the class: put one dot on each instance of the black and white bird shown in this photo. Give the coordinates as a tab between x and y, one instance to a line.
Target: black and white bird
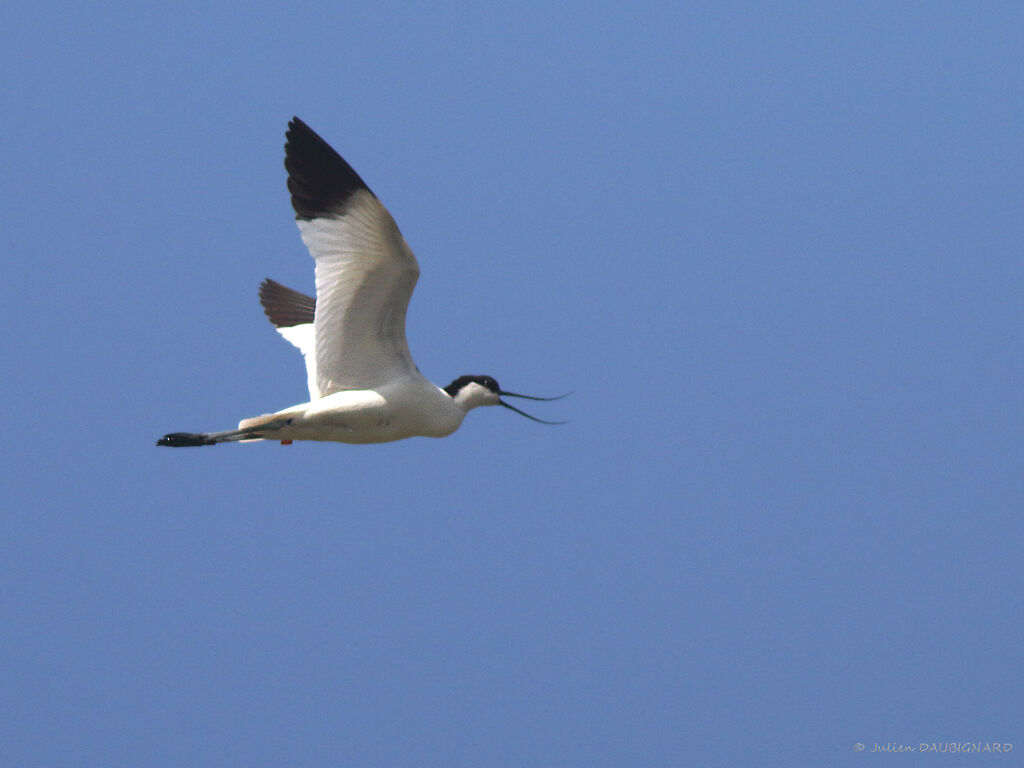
363	384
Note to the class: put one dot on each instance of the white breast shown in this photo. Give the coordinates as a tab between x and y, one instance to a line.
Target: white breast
407	408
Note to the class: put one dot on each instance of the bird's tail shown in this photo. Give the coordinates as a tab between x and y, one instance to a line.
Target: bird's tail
250	429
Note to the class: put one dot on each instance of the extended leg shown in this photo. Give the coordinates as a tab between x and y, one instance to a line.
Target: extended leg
187	439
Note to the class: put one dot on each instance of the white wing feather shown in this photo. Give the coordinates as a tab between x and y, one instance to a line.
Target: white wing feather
304	337
365	275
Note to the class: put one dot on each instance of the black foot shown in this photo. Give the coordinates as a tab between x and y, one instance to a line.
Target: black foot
184	439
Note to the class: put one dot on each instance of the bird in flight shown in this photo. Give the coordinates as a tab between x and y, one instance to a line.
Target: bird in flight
363	384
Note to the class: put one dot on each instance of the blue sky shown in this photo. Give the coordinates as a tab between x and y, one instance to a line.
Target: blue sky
774	249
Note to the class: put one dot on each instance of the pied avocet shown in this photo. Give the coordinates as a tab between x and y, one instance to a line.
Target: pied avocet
363	384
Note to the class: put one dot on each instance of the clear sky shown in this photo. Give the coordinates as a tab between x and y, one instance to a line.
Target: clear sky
775	249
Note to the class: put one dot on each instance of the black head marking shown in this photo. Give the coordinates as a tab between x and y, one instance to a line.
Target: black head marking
319	179
484	381
491	385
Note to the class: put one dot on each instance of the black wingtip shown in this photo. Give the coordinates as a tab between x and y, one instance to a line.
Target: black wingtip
185	439
284	306
319	179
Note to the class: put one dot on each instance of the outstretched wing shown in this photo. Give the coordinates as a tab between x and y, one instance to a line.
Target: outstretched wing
365	271
292	314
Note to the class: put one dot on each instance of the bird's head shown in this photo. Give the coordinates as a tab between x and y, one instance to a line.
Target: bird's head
473	391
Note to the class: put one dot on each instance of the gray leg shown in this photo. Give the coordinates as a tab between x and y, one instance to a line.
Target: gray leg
186	439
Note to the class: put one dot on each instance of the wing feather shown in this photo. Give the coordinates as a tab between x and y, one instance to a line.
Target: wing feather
365	271
292	314
285	307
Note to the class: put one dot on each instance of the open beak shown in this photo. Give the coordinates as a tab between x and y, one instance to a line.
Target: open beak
530	397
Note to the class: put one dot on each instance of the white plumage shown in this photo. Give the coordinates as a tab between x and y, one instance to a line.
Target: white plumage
363	384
